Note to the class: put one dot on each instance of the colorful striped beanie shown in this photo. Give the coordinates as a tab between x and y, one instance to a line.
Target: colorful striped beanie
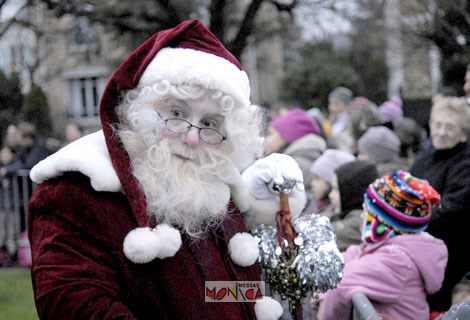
398	203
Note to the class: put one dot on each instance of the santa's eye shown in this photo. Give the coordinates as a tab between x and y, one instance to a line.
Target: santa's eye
210	123
175	113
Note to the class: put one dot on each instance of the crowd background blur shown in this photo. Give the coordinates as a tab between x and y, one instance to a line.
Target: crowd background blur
384	139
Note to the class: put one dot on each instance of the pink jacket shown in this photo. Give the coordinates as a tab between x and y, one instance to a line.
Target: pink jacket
395	274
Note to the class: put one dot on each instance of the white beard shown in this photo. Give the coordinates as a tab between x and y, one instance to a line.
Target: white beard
190	194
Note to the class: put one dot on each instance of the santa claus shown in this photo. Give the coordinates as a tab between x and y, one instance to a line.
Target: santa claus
130	222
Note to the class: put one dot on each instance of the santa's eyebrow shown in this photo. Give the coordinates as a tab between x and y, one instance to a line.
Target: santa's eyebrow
214	115
168	102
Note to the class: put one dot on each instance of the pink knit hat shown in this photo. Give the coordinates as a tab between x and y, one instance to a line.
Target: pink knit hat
391	110
295	124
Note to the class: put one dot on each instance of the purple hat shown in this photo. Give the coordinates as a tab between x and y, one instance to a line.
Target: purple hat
391	110
295	124
326	164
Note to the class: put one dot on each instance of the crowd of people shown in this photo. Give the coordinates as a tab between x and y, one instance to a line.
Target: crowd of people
380	142
22	148
140	214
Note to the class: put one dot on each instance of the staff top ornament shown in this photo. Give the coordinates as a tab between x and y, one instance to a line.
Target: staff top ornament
296	256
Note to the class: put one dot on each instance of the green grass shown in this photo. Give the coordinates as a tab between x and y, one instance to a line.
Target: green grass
16	295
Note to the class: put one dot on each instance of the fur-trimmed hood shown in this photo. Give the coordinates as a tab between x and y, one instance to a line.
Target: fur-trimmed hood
141	65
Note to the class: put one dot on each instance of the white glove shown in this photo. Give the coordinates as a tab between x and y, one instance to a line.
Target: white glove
274	168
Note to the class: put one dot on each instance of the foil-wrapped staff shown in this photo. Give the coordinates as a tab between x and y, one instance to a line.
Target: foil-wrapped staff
298	257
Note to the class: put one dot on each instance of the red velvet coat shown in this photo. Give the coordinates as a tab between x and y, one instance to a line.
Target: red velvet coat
80	271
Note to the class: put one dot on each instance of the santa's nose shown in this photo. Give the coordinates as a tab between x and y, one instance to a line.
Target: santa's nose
191	137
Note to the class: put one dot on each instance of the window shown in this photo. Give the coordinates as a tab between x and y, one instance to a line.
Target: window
86	86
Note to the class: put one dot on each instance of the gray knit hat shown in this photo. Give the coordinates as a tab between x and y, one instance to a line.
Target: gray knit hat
380	143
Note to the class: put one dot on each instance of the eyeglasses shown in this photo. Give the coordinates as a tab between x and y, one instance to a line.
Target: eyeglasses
180	126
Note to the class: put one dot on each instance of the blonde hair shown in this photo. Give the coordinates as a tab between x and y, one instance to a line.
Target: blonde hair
456	105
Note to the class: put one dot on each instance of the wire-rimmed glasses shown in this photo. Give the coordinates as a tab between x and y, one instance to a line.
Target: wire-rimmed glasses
180	126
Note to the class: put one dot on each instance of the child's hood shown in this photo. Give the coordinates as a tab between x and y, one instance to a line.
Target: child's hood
429	255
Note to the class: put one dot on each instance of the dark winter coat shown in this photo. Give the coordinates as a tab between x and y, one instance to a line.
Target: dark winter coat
448	171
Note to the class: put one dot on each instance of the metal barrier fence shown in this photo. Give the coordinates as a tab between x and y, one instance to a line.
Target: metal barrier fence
363	308
15	193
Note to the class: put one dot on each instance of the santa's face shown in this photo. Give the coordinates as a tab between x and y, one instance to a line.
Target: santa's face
195	122
182	168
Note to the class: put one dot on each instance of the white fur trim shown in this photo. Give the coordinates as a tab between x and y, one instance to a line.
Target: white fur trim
141	245
263	211
189	66
170	240
88	155
243	249
268	309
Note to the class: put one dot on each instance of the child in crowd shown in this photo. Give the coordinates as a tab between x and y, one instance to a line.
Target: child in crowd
397	262
296	134
323	170
348	184
391	110
382	146
363	114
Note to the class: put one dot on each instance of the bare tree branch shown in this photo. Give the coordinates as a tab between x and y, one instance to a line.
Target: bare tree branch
5	26
246	29
288	7
2	2
217	21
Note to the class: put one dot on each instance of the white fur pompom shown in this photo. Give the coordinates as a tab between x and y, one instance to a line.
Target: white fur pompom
268	309
170	240
141	245
243	249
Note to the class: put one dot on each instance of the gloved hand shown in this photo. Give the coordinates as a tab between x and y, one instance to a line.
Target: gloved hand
274	168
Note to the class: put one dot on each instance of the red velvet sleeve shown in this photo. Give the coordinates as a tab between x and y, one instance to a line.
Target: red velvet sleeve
74	272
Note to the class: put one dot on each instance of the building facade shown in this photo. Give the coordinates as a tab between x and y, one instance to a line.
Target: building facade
72	60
